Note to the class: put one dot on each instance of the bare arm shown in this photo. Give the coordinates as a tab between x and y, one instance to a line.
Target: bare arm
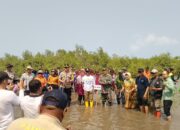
146	93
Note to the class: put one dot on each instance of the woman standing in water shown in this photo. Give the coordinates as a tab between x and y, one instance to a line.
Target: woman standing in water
79	86
129	88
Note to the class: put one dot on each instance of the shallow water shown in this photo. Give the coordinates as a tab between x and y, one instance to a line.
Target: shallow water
118	118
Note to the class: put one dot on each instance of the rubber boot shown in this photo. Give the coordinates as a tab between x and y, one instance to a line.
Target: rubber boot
91	104
118	101
158	114
110	103
155	113
103	103
86	104
79	100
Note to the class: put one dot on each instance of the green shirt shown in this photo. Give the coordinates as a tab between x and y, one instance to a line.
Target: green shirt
118	83
168	91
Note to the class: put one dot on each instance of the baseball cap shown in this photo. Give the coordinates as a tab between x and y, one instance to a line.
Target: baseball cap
9	66
124	69
87	70
55	99
3	76
140	70
154	71
40	72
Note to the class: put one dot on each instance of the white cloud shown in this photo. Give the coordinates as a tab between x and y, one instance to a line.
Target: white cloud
152	40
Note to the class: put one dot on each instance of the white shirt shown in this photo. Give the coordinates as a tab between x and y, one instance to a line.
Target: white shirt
11	75
7	100
26	78
30	105
88	83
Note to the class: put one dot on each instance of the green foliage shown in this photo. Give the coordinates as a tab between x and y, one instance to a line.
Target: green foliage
80	58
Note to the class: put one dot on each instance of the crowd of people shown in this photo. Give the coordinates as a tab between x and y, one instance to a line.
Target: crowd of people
44	96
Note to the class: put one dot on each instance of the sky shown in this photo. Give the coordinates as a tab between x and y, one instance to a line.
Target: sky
134	28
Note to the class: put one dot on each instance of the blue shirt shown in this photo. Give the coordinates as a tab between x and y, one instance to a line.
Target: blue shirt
142	84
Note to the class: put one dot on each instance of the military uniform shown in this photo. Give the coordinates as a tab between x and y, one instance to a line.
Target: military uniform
106	82
119	84
156	96
66	81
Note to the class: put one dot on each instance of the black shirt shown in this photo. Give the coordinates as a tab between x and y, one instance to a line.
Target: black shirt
157	83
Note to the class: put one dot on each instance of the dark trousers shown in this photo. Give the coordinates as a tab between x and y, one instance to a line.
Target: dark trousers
167	107
120	98
68	92
80	98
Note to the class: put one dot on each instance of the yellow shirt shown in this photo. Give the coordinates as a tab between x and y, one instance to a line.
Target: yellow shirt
129	84
42	122
42	80
53	80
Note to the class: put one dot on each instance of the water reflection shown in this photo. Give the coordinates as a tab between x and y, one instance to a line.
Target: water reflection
118	118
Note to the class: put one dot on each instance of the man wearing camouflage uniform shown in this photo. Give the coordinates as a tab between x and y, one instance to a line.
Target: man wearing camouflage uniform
156	89
66	80
105	80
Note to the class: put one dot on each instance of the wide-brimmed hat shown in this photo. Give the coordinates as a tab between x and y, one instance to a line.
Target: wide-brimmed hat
128	74
154	71
29	67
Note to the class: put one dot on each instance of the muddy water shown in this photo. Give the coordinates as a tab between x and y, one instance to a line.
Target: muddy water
118	118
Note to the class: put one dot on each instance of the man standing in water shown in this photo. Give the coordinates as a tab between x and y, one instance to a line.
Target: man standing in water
118	86
143	90
105	80
168	93
66	80
156	86
88	86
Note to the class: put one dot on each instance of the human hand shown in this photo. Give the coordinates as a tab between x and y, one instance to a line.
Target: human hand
69	128
145	96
